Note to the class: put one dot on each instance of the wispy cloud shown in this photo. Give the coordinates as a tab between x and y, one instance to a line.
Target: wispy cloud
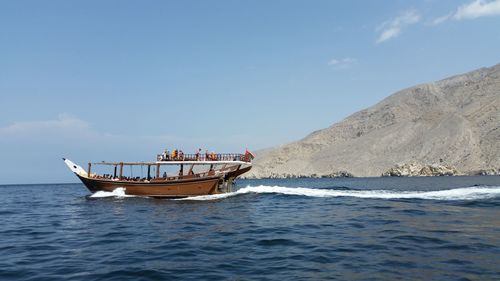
473	10
343	62
67	126
63	123
441	19
392	28
478	8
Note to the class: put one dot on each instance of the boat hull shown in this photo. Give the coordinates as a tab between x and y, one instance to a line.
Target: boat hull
174	189
236	173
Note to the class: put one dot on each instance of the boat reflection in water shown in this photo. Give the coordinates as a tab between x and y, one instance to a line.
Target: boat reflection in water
192	175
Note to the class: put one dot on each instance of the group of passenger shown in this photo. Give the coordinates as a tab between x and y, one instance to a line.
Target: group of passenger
105	176
178	155
174	156
210	156
111	177
140	179
133	179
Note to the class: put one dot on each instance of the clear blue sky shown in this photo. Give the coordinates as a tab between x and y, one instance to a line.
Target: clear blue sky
121	80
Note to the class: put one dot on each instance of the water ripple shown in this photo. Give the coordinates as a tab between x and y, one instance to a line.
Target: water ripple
368	229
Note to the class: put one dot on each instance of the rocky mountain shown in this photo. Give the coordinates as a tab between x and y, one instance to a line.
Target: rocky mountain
453	122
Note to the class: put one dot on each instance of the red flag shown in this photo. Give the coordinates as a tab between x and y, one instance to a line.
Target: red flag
249	154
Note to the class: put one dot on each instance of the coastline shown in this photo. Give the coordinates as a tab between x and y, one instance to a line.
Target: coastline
398	171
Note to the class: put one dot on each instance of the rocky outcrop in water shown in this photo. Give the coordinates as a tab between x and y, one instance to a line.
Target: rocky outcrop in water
417	170
487	172
454	121
339	174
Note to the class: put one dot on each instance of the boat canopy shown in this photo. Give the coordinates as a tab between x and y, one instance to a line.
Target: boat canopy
180	162
189	159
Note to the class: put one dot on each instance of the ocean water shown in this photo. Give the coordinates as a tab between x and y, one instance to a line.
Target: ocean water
441	228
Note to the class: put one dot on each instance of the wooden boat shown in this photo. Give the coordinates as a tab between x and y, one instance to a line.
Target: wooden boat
201	177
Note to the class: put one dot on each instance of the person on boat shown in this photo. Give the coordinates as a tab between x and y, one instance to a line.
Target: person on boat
207	155
174	154
212	156
198	154
181	155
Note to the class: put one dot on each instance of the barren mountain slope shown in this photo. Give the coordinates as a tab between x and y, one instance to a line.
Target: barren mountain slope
454	121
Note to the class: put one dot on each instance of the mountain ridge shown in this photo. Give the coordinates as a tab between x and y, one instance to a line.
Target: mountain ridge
454	121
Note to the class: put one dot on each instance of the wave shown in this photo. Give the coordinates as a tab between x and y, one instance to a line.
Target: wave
118	192
465	193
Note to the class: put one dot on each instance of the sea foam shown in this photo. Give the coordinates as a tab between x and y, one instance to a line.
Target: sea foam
118	192
465	193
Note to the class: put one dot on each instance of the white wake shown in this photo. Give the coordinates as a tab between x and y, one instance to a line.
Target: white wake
465	193
118	192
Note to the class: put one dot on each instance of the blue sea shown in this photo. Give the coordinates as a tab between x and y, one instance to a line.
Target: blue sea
427	228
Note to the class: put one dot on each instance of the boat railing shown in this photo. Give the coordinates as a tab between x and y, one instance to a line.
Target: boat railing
204	157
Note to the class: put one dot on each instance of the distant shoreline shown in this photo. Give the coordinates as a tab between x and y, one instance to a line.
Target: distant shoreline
368	177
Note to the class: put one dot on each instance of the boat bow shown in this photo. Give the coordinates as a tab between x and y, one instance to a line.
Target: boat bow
74	167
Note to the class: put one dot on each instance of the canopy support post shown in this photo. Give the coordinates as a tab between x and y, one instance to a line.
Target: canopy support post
121	170
149	172
88	171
